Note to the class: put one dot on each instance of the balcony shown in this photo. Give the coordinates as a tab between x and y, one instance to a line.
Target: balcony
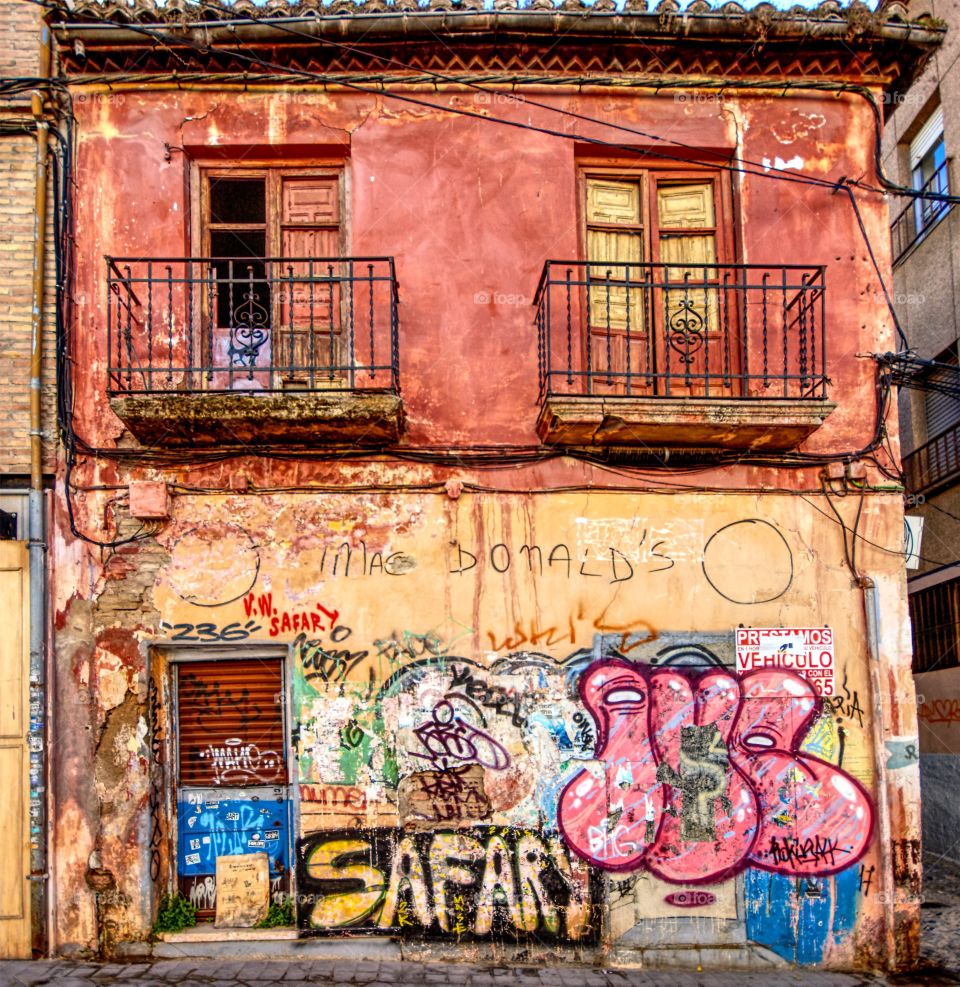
914	222
656	356
248	351
935	464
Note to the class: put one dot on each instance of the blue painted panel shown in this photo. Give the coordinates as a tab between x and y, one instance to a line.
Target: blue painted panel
222	822
798	917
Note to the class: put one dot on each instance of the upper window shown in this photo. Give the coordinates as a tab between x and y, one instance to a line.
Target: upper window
928	170
929	176
654	240
275	237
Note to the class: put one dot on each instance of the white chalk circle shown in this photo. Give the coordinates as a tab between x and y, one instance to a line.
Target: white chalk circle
214	565
748	561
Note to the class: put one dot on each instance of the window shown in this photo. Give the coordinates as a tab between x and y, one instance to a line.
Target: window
928	170
653	242
935	618
274	238
942	409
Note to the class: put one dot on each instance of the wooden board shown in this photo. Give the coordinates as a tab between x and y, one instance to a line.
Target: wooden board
15	938
243	890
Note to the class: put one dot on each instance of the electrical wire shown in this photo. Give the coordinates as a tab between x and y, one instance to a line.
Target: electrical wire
754	170
494	458
867	541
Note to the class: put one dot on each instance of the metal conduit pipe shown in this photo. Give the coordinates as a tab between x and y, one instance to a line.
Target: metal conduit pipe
37	529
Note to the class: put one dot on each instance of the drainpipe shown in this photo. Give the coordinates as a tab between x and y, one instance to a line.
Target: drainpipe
871	609
897	787
37	534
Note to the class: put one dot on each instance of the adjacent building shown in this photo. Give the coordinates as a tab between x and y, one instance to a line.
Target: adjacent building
919	146
471	511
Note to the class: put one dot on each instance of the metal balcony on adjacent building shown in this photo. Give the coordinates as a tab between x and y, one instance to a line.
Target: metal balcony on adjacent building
935	464
659	356
255	350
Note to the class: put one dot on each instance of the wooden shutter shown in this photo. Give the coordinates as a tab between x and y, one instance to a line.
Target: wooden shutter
690	302
14	753
310	318
615	240
230	723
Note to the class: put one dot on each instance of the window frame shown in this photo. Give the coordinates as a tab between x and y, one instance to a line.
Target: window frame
726	228
273	173
651	175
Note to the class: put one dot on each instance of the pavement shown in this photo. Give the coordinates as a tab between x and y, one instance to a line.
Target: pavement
940	965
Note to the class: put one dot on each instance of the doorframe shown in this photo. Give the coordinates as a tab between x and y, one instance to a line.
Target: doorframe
164	658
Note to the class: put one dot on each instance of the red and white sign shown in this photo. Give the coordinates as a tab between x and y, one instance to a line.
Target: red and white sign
805	650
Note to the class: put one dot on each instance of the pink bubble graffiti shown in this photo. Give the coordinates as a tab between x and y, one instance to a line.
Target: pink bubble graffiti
699	775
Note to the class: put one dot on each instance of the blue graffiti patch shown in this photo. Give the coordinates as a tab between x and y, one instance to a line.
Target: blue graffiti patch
212	826
797	917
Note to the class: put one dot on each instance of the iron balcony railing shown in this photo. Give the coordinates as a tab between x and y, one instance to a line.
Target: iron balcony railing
933	464
257	324
734	330
920	214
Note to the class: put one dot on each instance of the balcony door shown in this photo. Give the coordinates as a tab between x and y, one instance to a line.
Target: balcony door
274	238
657	312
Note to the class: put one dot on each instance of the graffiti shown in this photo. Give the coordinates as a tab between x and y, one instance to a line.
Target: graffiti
906	865
583	736
351	735
847	705
796	853
289	621
211	632
345	798
698	776
230	568
499	700
201	891
211	700
481	883
452	795
366	563
448	740
612	565
903	752
747	583
321	661
622	637
533	635
237	763
156	777
306	620
866	879
940	711
408	646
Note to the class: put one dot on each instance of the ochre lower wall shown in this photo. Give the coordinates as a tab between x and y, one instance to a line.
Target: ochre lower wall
513	719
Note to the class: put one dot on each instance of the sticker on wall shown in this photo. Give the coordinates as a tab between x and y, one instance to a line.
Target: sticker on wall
805	650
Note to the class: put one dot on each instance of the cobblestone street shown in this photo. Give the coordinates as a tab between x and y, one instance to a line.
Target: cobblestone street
940	965
215	973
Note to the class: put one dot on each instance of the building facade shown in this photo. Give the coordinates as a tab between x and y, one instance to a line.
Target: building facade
919	145
471	515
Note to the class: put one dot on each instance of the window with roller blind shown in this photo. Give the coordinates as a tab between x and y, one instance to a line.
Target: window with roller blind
650	228
273	236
